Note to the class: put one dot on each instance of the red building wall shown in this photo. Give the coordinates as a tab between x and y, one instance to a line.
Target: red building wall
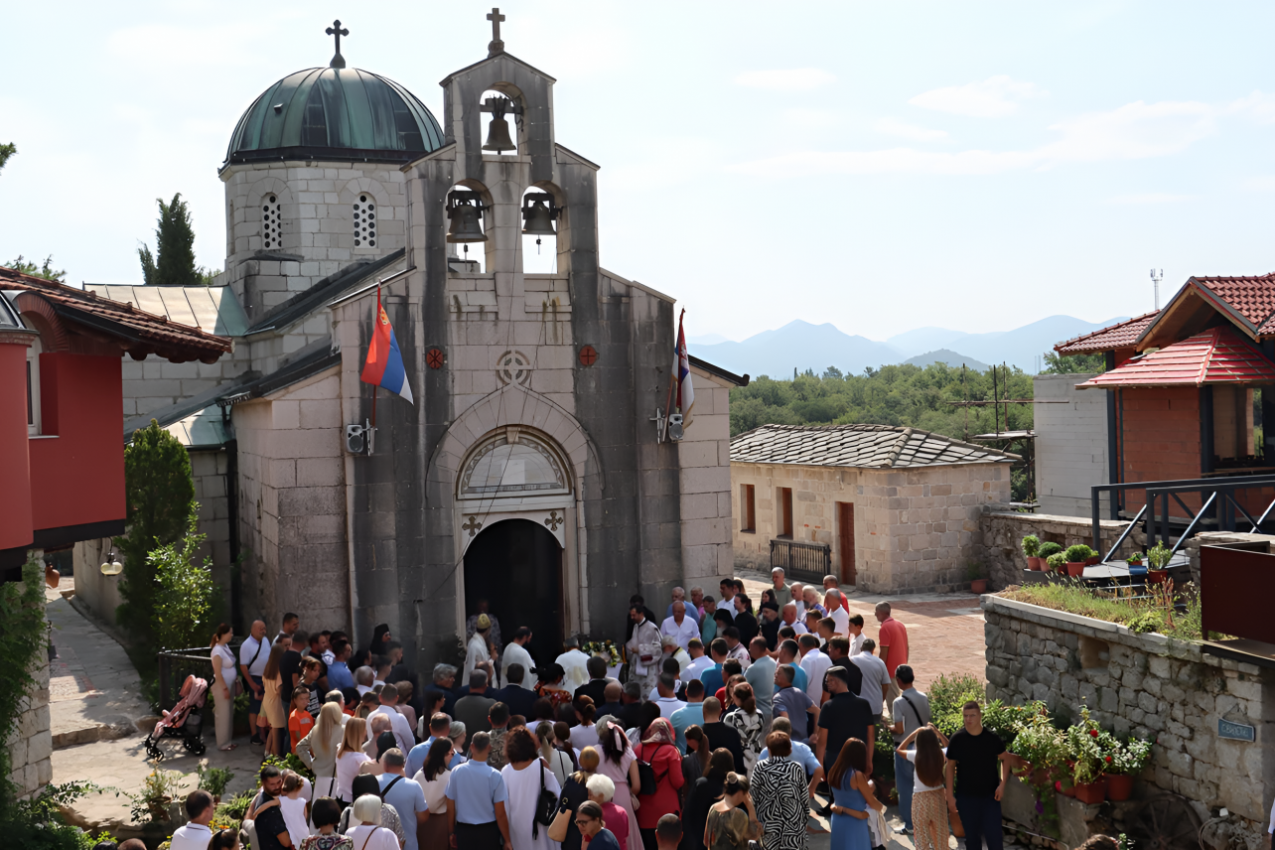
78	477
15	499
1160	436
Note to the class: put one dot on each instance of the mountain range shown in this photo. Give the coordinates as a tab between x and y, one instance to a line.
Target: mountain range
802	345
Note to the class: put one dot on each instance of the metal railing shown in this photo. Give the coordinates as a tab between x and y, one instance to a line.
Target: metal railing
1220	509
805	561
175	665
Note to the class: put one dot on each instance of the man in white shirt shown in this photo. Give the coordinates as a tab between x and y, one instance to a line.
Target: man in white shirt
798	592
398	723
195	835
679	595
478	654
575	664
816	664
876	679
856	635
516	653
253	655
832	602
667	700
789	616
699	660
727	601
680	626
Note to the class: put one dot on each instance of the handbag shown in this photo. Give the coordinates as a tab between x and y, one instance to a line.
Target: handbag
546	806
646	776
561	821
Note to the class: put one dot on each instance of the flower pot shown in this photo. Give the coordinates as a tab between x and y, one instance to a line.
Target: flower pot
1074	568
1092	792
1119	787
1157	576
978	585
1034	563
1094	561
51	576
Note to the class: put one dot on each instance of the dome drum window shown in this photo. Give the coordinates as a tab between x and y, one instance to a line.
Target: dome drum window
365	221
271	226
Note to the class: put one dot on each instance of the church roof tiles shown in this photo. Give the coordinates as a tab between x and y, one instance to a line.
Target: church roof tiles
1120	335
865	446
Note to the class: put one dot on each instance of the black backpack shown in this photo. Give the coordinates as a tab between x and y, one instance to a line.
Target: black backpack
646	774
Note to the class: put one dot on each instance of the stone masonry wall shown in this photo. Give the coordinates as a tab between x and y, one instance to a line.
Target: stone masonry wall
1003	532
31	748
1145	685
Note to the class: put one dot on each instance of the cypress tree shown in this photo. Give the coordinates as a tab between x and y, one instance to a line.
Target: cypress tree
174	260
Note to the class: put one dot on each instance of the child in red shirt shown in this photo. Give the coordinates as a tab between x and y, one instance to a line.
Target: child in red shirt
299	720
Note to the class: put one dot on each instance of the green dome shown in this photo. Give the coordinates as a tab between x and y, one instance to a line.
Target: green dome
335	114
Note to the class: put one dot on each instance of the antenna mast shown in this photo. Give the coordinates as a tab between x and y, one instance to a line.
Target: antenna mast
1156	277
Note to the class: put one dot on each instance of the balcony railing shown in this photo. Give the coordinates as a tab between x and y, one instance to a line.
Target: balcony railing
807	562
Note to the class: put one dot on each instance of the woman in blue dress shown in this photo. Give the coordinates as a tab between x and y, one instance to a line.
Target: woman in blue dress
851	796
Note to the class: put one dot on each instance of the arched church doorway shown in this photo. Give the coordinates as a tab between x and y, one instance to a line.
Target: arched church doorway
516	565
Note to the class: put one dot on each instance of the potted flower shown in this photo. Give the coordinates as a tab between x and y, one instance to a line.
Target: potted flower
1125	761
1057	562
1158	558
1134	560
978	582
1076	556
1031	551
1085	747
1046	549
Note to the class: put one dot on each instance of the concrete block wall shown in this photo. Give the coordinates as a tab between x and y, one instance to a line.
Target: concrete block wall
1003	532
31	745
1071	443
154	383
292	507
914	530
1148	686
704	458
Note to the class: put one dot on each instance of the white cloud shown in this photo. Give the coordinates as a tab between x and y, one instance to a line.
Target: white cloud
1147	198
904	130
1134	131
793	79
992	98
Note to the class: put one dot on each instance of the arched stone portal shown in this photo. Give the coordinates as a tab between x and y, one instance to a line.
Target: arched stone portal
516	565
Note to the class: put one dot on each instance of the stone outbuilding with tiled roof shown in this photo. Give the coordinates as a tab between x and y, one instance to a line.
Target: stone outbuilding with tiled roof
884	507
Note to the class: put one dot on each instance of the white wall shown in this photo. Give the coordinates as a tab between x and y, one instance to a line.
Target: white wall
1071	444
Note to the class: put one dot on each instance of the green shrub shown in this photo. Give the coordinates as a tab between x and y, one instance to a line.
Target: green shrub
1031	546
1047	549
1078	553
1056	561
1158	556
236	807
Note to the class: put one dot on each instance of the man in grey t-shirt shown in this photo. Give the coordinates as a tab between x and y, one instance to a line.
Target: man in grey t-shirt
910	711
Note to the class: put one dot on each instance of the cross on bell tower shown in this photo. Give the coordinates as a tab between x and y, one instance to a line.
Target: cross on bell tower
338	61
496	46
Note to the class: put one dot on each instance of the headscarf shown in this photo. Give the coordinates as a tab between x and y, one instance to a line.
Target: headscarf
660	732
378	639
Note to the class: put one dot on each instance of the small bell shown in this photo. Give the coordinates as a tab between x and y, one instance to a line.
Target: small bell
463	211
498	139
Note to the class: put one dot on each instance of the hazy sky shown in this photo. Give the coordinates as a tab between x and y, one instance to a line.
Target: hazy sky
879	166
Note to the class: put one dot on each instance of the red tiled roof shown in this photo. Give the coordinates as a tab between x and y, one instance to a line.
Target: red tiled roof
1120	335
138	332
1251	297
1216	356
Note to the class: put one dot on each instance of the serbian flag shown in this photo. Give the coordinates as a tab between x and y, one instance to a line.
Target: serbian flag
682	368
384	366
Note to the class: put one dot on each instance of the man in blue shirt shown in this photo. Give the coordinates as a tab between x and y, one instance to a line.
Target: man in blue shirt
339	675
794	703
691	715
440	726
405	795
712	677
476	819
789	654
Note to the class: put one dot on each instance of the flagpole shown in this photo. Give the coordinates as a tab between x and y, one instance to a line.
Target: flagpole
374	386
677	360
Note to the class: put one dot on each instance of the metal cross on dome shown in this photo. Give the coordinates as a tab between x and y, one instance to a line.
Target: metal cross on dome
496	45
338	61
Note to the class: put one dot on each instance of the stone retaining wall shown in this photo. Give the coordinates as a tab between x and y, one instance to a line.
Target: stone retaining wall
1145	685
1003	532
31	747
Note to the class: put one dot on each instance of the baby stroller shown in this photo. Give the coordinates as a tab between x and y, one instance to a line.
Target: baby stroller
185	721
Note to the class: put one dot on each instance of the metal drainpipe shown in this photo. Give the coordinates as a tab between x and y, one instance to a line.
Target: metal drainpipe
232	507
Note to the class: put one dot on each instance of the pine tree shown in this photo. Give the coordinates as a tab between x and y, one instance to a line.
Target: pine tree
6	151
174	260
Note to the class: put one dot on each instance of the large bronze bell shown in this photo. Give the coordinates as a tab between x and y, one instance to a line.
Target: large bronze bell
498	139
464	209
538	212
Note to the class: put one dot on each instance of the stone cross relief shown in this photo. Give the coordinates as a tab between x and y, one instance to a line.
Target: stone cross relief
496	45
472	525
553	521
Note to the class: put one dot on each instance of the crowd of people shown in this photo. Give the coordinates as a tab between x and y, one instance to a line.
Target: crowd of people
733	720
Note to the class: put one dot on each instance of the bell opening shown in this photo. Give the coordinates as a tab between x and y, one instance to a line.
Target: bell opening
502	120
467	221
541	220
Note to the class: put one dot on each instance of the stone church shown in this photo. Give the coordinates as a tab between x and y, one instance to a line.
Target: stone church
531	470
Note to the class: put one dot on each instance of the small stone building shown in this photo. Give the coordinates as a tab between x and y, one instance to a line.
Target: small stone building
896	509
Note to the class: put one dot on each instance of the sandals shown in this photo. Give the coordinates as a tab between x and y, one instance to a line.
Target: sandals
228	748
